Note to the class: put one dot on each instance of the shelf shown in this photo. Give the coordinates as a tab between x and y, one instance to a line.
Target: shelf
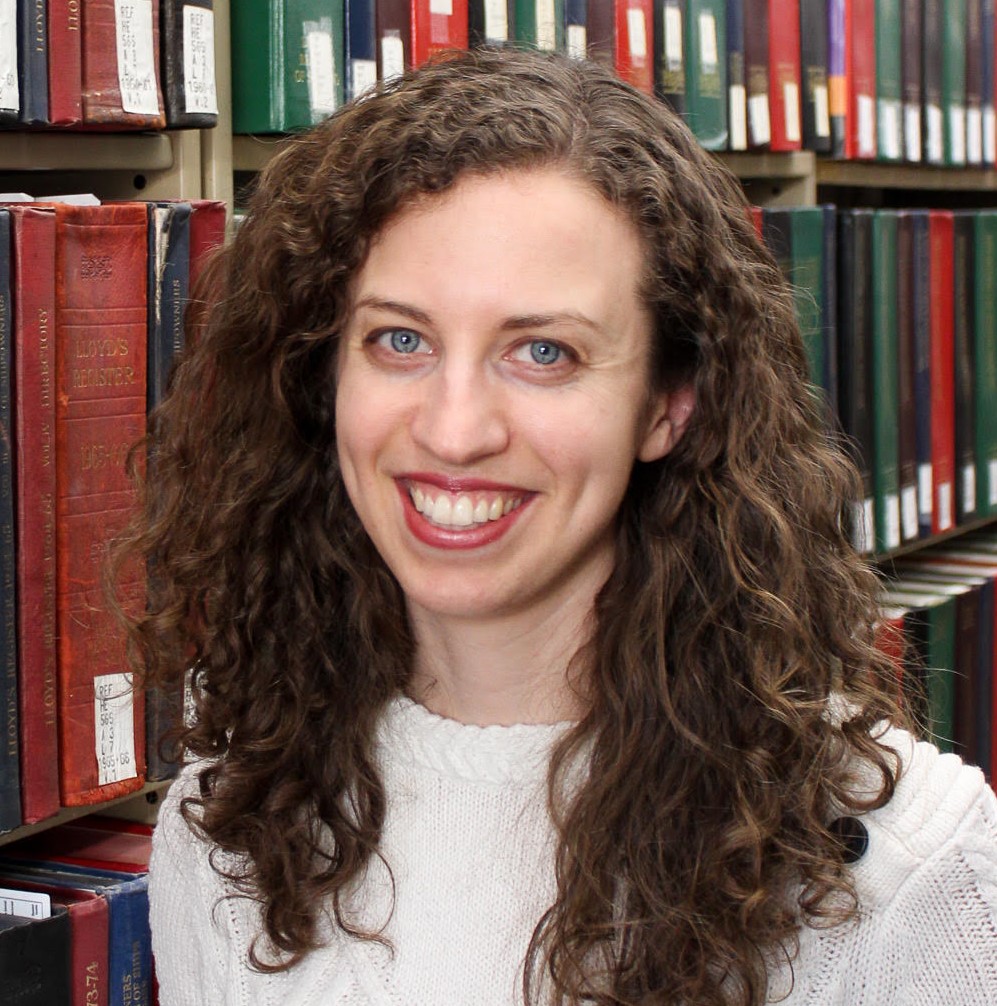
86	152
882	559
876	175
253	153
748	164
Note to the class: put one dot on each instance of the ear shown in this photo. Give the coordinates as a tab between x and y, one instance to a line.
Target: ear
667	419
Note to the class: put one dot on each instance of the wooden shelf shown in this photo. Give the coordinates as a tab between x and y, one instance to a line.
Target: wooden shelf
883	559
86	152
876	175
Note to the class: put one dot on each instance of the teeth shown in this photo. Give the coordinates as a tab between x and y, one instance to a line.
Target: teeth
461	511
442	510
496	509
462	515
481	512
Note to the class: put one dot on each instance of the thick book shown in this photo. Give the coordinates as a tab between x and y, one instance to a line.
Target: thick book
187	59
669	51
814	75
953	43
34	959
784	75
34	452
493	22
860	73
706	72
120	52
974	81
737	91
907	377
394	37
942	315
10	784
65	64
923	327
32	62
933	29
287	64
988	35
911	49
963	279
619	36
439	25
756	63
360	47
837	80
101	303
889	84
985	360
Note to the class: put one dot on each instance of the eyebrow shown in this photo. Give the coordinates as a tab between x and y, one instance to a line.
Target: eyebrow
514	323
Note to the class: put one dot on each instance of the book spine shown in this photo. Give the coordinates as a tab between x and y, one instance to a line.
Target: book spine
889	88
942	371
921	294
860	69
837	81
807	276
706	72
88	952
634	52
965	411
967	655
438	25
985	351
907	402
669	51
129	955
394	37
187	58
101	301
974	82
32	65
756	61
829	310
34	959
737	92
931	82
65	64
954	80
207	234
784	75
360	47
493	22
313	40
814	75
983	697
911	45
258	100
988	27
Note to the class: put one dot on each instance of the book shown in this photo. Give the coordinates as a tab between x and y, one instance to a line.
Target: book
953	45
101	301
619	36
837	80
737	91
911	48
942	320
706	72
575	28
985	360
814	75
988	81
974	80
860	73
829	310
669	52
34	440
34	959
907	402
889	85
923	327
32	63
784	75
360	47
10	96
287	64
963	279
120	66
493	22
931	82
438	25
756	63
394	37
65	63
207	234
187	59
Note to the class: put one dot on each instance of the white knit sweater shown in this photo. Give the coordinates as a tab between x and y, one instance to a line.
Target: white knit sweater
471	849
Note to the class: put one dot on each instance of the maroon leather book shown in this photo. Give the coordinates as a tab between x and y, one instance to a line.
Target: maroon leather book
392	20
65	62
106	103
784	75
100	414
34	458
860	70
207	232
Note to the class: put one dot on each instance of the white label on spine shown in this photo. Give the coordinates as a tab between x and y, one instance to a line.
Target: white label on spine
912	132
934	134
136	59
708	54
957	133
758	119
496	21
392	55
322	97
738	112
925	481
908	512
546	25
791	101
891	520
363	73
866	125
989	135
114	725
441	7
968	488
673	38
822	115
974	135
199	60
992	482
889	130
10	97
944	506
577	41
636	33
864	530
25	904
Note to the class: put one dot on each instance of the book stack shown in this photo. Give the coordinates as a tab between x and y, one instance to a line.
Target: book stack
91	315
104	65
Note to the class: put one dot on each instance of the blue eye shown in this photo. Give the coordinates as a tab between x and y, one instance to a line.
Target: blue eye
545	352
404	341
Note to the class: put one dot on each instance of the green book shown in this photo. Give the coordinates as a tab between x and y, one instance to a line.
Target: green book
885	398
287	63
540	24
706	72
807	276
889	94
985	352
954	80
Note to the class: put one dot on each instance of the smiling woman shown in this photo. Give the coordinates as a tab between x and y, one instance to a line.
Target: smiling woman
531	660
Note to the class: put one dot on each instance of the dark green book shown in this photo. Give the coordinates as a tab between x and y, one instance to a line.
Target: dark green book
669	53
706	72
965	368
954	80
889	82
287	64
985	339
540	24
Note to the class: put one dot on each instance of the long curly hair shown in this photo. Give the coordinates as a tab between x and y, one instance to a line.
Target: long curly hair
733	684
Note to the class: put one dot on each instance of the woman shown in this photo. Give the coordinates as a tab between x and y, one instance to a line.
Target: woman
531	659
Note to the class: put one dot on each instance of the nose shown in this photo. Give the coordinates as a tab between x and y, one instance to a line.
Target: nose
461	417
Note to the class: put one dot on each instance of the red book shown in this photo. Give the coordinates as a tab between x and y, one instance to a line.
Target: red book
88	943
135	36
890	639
100	414
437	25
758	220
34	450
124	846
784	75
860	75
65	62
207	232
941	253
634	50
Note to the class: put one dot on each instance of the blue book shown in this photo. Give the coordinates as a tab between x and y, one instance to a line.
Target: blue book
360	49
737	85
576	28
32	61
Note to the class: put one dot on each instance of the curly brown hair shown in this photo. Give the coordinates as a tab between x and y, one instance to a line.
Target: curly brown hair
737	612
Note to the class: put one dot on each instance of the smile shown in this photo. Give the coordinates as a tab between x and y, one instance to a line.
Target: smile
462	509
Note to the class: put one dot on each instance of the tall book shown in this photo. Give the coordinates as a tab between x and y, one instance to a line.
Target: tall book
706	72
756	62
101	302
493	22
287	64
814	74
360	47
620	36
988	35
965	366
924	326
539	24
889	85
974	81
954	80
985	359
911	46
837	80
65	64
394	37
32	63
576	19
34	959
669	52
120	66
187	59
34	451
860	73
737	92
933	29
829	310
942	317
10	782
907	376
784	75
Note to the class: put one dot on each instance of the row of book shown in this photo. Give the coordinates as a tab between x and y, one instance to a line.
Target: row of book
91	315
898	309
889	79
107	64
74	916
938	623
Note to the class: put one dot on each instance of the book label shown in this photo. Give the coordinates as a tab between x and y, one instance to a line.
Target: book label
673	38
546	25
444	7
364	74
944	506
992	482
791	101
496	21
908	512
822	115
912	132
636	33
892	516
199	60
25	904
392	54
933	133
321	69
968	488
866	125
738	113
136	56
957	132
989	136
113	708
758	119
925	480
974	135
864	525
577	41
708	43
10	97
889	129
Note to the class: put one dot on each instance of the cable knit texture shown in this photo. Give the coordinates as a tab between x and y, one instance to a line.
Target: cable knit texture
471	851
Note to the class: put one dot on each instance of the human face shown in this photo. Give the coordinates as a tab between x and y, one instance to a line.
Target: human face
493	393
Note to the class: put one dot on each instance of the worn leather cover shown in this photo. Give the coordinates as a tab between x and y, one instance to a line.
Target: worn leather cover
32	63
964	319
65	65
860	72
171	61
784	75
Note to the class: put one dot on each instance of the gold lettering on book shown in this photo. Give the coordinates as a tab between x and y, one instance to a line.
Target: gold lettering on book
104	377
93	983
48	623
39	25
87	349
97	456
73	9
